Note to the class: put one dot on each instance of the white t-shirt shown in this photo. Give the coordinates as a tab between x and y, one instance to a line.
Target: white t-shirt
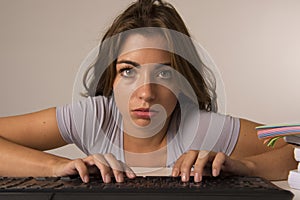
95	126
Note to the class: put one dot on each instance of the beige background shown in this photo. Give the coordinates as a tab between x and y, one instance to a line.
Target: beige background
255	44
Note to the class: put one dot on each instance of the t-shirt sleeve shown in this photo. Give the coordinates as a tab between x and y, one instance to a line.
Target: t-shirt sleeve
216	132
75	120
90	124
65	123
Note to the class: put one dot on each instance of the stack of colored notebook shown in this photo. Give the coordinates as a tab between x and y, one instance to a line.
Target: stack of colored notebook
271	133
291	134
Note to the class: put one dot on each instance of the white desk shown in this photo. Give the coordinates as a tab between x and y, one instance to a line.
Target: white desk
285	185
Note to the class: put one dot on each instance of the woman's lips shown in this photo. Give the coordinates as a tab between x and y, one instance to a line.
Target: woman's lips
144	113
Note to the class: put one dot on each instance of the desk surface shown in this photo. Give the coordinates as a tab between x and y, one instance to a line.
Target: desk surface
285	185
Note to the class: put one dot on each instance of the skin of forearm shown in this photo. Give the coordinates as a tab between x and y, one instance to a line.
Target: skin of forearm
20	161
272	165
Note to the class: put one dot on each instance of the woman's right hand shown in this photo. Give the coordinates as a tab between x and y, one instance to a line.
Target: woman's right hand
107	164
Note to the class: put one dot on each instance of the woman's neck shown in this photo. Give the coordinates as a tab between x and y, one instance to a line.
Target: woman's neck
145	145
145	141
146	152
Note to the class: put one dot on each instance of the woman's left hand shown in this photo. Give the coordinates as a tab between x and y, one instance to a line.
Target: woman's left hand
199	160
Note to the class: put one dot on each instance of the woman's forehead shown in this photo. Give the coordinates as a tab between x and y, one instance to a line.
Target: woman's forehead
146	56
138	41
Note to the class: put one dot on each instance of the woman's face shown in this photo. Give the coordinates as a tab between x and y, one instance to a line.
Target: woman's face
144	86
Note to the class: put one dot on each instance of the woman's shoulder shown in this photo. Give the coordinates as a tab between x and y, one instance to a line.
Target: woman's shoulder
91	104
96	101
191	114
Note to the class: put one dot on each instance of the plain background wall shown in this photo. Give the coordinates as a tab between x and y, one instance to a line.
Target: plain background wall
254	43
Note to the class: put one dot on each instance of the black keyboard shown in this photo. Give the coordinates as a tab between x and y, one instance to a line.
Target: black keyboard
65	188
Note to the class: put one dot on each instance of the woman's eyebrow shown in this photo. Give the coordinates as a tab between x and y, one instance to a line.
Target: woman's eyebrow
135	64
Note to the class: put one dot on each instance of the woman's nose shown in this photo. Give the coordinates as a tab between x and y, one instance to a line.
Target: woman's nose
146	92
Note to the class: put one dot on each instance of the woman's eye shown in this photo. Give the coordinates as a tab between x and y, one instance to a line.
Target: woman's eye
127	72
166	74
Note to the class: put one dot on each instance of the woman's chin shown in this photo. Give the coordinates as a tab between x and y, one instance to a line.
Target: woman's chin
142	122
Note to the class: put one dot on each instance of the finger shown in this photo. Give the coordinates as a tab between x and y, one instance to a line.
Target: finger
128	171
89	160
116	167
176	167
103	166
93	170
199	166
218	162
186	165
82	169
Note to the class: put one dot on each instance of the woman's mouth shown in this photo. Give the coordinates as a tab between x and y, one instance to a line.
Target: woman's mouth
144	113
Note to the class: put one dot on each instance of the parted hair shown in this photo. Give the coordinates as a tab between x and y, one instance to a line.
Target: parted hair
99	78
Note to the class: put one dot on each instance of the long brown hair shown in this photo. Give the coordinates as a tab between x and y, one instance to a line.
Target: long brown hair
151	13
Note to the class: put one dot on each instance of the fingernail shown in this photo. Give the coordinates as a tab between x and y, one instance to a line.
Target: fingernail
175	172
197	177
215	172
183	177
120	178
107	178
85	179
131	175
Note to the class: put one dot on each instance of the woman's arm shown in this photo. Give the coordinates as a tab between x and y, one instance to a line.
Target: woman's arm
17	160
37	130
271	163
22	140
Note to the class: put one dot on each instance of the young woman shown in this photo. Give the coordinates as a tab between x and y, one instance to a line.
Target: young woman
151	103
